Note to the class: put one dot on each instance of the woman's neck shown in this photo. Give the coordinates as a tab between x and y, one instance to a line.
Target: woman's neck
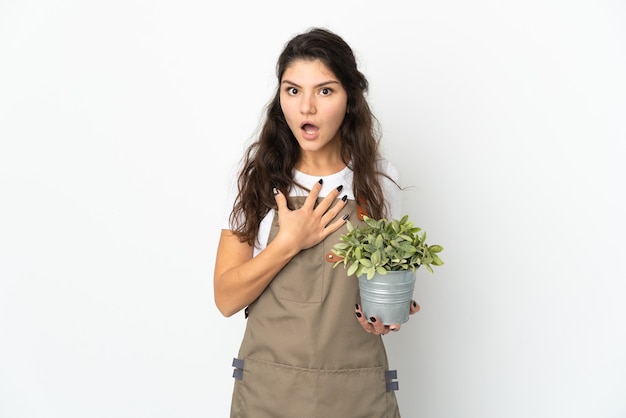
320	167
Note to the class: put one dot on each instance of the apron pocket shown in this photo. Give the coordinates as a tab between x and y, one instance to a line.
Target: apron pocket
302	280
355	393
272	390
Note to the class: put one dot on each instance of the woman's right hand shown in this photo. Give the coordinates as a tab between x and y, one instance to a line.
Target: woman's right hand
307	226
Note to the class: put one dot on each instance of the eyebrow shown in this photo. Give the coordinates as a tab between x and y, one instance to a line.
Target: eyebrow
325	83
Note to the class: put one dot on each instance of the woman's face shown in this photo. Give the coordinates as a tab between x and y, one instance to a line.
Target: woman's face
314	104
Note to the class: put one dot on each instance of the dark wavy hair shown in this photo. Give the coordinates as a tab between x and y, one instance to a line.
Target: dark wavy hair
270	160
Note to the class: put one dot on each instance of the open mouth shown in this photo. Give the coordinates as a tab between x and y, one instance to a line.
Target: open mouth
309	128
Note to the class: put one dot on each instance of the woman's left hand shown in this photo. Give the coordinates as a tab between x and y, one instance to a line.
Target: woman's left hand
374	326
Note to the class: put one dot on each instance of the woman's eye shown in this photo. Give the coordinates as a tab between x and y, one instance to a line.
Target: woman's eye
325	91
292	91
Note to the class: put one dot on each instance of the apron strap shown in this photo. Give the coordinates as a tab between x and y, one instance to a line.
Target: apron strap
360	211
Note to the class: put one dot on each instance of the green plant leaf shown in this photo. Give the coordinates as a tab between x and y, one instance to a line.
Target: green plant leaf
352	269
366	262
376	257
437	261
435	248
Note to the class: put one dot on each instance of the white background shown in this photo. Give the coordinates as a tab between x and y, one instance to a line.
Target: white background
120	122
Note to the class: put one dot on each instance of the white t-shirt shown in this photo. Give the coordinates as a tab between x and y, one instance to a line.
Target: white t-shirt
393	195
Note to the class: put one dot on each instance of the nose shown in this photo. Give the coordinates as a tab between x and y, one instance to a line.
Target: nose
307	104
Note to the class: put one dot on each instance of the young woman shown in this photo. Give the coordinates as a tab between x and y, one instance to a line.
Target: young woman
307	351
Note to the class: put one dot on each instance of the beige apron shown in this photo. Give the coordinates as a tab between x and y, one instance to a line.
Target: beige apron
304	354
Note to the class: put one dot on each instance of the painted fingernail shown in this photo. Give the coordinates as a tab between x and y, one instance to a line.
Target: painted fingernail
414	304
356	306
392	328
358	314
344	198
275	191
372	319
346	216
340	187
320	181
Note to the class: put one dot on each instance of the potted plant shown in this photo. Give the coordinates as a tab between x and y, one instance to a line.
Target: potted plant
385	255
